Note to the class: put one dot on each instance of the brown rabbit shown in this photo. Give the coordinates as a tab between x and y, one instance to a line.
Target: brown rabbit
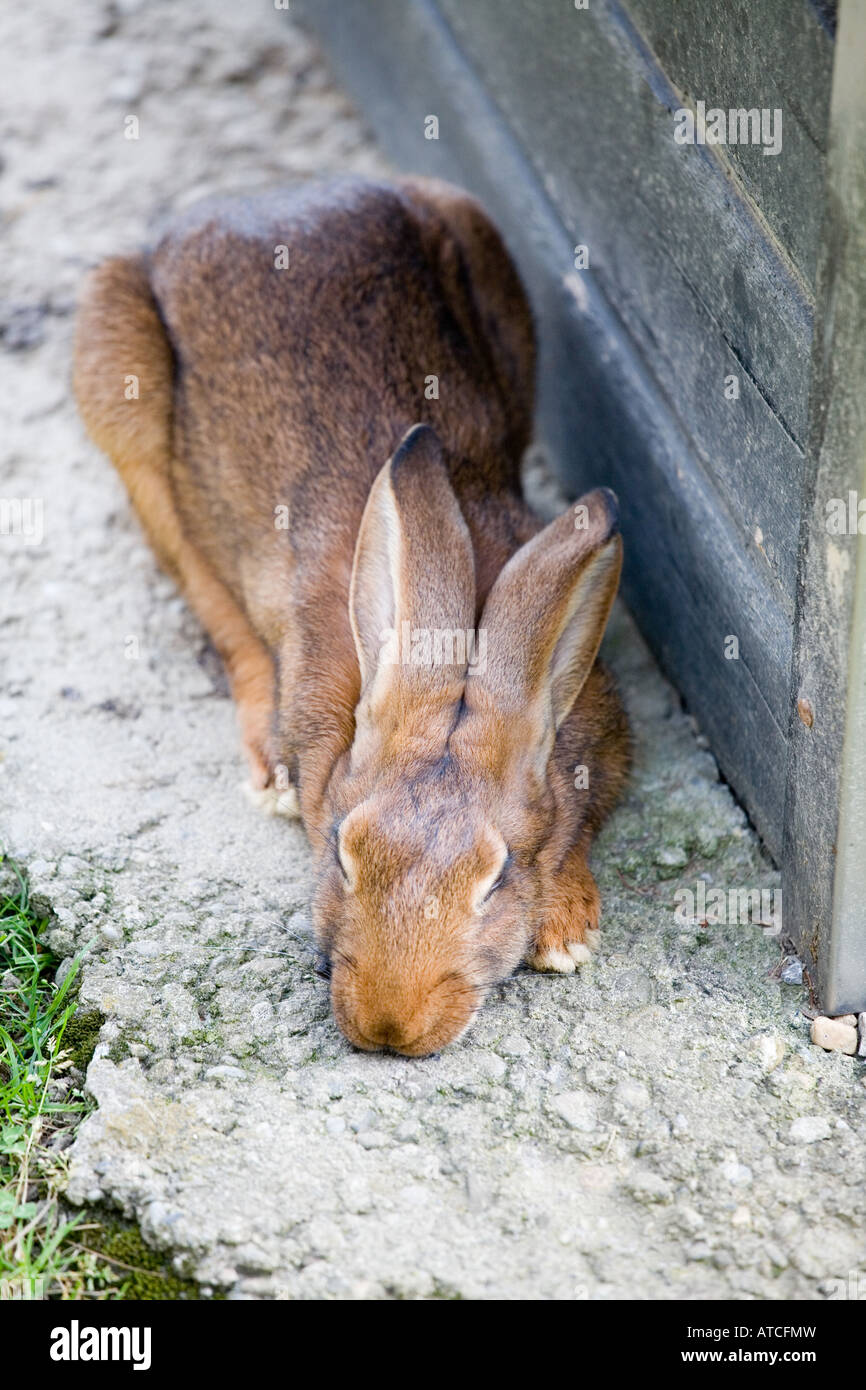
412	655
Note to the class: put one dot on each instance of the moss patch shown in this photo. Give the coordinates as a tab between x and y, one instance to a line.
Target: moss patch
146	1274
81	1036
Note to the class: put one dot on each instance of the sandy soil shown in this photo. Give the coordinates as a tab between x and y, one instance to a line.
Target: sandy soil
657	1127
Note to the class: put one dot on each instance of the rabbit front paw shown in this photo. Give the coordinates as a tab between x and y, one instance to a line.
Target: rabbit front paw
570	932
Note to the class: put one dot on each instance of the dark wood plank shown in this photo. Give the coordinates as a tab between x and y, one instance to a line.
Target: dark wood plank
745	53
824	861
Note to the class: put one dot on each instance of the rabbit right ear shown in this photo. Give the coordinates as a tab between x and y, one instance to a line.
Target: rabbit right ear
545	617
413	579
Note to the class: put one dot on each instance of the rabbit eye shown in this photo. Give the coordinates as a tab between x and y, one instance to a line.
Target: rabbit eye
341	866
335	841
491	890
499	881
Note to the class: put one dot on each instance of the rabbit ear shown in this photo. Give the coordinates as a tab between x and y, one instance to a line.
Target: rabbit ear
413	580
546	614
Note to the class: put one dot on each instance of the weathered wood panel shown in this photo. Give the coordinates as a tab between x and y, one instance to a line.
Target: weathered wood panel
824	863
735	53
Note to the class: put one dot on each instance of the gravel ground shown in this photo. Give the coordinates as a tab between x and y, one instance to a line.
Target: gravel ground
657	1127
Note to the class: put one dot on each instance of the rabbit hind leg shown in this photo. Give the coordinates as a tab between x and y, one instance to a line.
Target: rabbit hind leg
123	381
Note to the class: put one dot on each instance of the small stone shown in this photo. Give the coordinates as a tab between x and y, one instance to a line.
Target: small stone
768	1049
576	1109
834	1036
808	1129
736	1173
861	1050
792	971
670	860
850	1019
225	1074
687	1219
490	1066
366	1120
335	1124
514	1046
109	933
649	1188
372	1139
634	1095
742	1218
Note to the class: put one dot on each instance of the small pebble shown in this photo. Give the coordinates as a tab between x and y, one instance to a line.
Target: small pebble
809	1129
861	1050
372	1139
792	972
768	1050
649	1188
736	1173
670	860
634	1095
577	1109
366	1120
834	1035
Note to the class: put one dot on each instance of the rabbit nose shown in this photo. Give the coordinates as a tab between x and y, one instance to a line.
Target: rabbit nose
390	1032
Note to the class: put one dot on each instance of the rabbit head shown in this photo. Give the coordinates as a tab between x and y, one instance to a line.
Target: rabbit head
431	887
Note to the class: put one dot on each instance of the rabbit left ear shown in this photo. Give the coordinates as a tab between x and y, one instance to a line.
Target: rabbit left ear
546	614
413	565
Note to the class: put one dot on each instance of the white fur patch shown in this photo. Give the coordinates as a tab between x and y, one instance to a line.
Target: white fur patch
558	961
565	962
273	802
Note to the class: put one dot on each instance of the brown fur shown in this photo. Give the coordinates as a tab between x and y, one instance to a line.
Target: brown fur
262	389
